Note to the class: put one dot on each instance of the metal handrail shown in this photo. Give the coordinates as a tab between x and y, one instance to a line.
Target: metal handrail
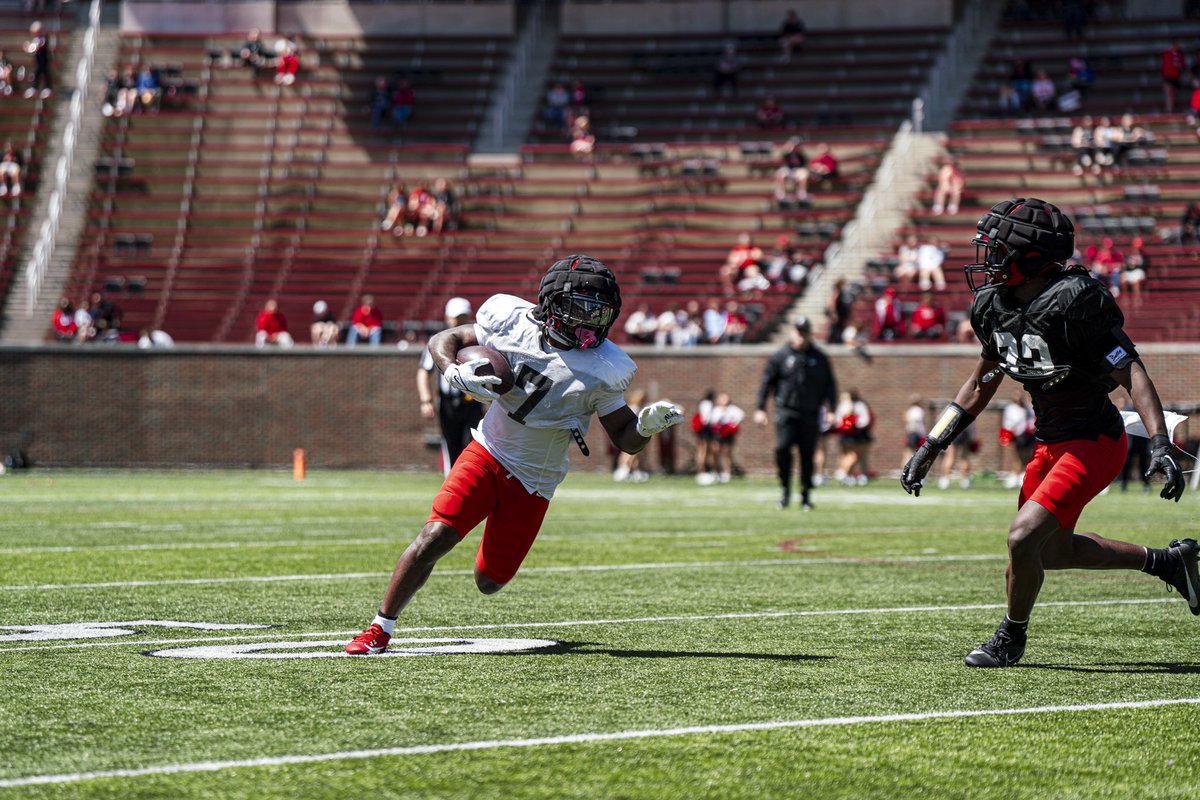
43	251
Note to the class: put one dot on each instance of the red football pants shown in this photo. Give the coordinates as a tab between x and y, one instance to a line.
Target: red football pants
479	487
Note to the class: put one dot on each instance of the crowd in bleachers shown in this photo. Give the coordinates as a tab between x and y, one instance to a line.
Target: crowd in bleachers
421	211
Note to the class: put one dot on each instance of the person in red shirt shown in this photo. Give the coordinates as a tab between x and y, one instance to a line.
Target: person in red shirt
1174	65
404	100
928	319
271	327
744	254
287	66
367	323
1105	262
769	114
889	317
65	329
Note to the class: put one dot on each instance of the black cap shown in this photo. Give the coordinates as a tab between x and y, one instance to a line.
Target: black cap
803	325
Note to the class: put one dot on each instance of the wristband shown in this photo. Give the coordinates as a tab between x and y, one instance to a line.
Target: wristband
953	421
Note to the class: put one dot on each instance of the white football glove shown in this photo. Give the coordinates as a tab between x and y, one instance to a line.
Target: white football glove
463	378
657	417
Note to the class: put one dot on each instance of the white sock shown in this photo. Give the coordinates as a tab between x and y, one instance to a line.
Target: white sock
385	623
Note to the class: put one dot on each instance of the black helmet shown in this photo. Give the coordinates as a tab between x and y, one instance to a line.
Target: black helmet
578	302
1021	239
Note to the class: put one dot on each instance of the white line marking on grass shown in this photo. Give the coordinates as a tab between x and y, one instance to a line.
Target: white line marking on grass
582	738
339	576
91	548
576	623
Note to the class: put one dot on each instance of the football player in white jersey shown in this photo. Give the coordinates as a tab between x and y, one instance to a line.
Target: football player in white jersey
565	371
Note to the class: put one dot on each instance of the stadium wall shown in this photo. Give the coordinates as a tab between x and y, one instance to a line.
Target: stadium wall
213	406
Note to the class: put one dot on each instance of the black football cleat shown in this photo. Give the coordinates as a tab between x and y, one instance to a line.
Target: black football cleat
1002	650
1184	578
785	499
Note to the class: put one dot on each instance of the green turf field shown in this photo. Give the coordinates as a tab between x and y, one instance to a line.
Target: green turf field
687	642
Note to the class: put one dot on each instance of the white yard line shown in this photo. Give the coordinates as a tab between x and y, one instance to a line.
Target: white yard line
576	623
336	576
582	738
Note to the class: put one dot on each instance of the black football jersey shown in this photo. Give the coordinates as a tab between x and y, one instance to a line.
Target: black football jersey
1063	346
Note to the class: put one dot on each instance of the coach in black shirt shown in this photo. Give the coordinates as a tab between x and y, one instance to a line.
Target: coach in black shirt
800	378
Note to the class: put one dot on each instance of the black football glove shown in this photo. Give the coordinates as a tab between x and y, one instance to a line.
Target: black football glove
1161	460
913	475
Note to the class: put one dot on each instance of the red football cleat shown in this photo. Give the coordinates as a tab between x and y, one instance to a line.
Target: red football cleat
370	642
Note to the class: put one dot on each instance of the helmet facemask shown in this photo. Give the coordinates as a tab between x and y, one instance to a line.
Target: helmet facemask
993	265
579	319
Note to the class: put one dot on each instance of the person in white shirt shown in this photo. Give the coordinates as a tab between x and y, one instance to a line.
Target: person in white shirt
565	370
914	426
929	267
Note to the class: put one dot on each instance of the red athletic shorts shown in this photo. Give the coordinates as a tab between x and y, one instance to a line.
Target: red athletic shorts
1063	477
478	487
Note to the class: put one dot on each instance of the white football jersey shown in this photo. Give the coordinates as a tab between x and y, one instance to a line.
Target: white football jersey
529	429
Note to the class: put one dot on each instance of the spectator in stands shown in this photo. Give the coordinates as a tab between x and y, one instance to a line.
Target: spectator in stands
1080	75
1129	135
85	330
324	329
148	89
395	219
422	209
445	206
11	167
8	76
735	323
791	36
889	317
950	183
1083	143
823	169
254	52
640	325
1174	70
287	66
380	102
1106	139
742	255
906	260
782	265
752	283
837	310
1133	275
271	327
557	101
579	97
1043	91
1189	226
38	46
688	328
713	321
1104	261
65	329
106	318
1020	78
769	114
794	168
729	64
365	323
1007	99
928	319
930	257
583	142
152	338
664	325
404	102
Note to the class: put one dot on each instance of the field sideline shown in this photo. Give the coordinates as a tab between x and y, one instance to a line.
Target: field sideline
178	635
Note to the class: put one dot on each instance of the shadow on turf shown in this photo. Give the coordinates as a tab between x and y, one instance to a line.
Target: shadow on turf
596	649
1136	668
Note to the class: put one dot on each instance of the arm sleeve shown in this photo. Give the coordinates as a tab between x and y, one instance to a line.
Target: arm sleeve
769	381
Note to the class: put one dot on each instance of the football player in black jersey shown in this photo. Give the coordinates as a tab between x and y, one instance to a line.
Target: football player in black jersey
1058	332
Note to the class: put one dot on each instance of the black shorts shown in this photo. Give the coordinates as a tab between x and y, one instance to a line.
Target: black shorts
913	440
